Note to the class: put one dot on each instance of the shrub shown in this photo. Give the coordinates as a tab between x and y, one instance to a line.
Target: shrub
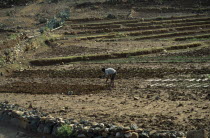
53	1
1	61
54	23
64	15
64	131
58	20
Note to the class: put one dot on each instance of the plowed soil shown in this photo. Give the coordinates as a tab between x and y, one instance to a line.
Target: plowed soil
133	100
77	91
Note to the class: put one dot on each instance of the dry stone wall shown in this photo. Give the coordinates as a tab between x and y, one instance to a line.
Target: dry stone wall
35	121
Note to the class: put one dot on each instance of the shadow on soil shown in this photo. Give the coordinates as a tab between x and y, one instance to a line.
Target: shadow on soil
47	88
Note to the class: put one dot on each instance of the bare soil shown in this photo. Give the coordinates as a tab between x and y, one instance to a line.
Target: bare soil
133	100
155	96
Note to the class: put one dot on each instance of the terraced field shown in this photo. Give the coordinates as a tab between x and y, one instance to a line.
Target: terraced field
162	68
113	38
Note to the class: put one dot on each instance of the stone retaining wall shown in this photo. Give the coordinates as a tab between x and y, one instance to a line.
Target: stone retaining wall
35	121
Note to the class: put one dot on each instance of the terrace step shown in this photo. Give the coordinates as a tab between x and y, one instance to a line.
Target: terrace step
151	26
192	37
108	22
150	33
61	60
173	34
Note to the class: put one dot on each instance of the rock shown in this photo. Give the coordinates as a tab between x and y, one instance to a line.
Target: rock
40	128
62	110
42	20
144	135
136	98
104	134
55	129
98	137
113	128
33	123
118	135
126	128
21	134
128	135
94	124
20	122
97	129
4	117
1	112
111	16
208	96
60	120
70	93
48	127
17	113
86	128
107	130
134	135
81	136
84	122
157	98
180	134
101	125
133	127
197	134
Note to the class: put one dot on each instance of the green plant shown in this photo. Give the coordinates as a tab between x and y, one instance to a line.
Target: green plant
1	61
54	23
58	20
65	131
64	15
2	25
53	1
13	36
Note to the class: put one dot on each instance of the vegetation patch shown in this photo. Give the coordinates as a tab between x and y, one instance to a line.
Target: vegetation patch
194	38
174	34
64	131
158	59
1	61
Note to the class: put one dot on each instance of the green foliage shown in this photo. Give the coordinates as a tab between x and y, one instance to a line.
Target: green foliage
53	1
1	61
64	15
151	59
54	23
64	131
57	21
2	25
13	36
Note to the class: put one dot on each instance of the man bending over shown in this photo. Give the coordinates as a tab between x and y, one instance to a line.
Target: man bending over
110	73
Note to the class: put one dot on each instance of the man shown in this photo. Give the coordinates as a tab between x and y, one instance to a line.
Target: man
110	73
